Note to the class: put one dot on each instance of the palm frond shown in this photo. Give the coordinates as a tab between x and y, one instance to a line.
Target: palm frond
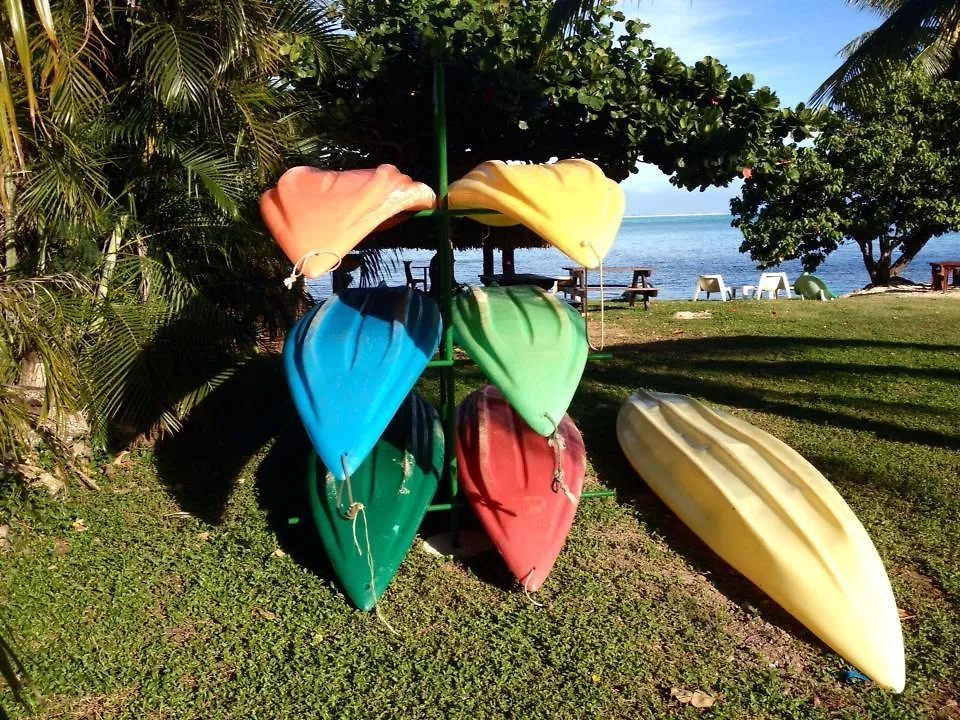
883	7
256	104
64	182
76	73
45	15
314	23
150	362
564	16
179	64
21	65
219	175
10	142
14	431
912	27
11	669
43	316
21	41
936	58
851	47
136	124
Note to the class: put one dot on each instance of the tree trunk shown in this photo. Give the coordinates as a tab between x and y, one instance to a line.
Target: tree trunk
908	251
141	245
866	249
881	273
110	256
9	224
32	373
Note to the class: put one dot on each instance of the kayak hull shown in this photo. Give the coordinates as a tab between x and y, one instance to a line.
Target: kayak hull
570	203
395	484
506	471
811	287
530	344
351	362
770	514
318	216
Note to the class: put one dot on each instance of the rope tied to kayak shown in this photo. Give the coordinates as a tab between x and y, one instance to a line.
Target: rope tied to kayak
352	507
353	512
297	272
526	588
586	302
558	444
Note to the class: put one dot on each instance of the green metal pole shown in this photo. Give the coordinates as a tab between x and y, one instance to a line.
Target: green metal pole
445	272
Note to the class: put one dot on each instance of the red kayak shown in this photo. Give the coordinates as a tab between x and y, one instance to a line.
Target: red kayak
509	475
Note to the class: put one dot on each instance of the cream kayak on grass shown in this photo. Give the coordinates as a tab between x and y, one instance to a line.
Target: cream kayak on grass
769	513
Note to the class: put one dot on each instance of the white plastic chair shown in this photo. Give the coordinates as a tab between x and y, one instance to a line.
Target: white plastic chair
712	284
772	284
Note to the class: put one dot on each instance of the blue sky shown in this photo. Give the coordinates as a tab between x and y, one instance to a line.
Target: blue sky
790	47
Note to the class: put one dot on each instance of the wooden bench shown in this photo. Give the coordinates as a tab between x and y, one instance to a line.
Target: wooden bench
646	292
638	285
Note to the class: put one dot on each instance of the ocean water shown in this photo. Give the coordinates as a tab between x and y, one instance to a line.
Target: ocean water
678	249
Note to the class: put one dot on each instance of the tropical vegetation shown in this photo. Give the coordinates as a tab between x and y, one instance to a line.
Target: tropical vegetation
140	135
136	138
137	280
883	173
605	93
925	33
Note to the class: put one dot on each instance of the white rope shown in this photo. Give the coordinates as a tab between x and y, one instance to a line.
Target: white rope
526	589
373	591
355	510
557	443
586	300
603	320
297	271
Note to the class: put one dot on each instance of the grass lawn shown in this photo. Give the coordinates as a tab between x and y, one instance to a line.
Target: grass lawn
172	602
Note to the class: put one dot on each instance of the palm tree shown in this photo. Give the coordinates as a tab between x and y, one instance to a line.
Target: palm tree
565	14
134	139
924	32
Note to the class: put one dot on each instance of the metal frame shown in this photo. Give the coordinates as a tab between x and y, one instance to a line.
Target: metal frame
446	363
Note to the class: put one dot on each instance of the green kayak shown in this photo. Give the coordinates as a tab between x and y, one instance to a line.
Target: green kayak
810	287
529	343
367	526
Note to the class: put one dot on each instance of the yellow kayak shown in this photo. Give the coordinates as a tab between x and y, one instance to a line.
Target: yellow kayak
570	204
769	513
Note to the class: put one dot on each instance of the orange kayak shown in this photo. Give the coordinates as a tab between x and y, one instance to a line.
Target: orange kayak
318	216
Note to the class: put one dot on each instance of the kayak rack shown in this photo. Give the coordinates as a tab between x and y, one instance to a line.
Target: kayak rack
447	362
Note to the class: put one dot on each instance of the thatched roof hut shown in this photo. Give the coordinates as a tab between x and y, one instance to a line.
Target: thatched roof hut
421	234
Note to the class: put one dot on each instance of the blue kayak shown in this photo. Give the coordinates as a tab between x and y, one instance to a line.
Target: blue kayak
350	363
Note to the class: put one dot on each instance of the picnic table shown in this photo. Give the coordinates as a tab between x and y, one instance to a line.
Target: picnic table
581	286
546	282
941	271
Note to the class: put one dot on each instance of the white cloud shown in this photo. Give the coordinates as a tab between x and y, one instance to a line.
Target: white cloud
697	28
648	179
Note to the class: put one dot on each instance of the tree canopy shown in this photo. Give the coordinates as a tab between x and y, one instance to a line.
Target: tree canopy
882	172
609	96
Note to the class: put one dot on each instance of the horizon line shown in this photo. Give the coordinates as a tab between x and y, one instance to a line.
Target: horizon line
704	214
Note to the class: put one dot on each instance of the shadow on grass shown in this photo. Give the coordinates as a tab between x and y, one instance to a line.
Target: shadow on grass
680	366
200	464
254	410
282	493
250	413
